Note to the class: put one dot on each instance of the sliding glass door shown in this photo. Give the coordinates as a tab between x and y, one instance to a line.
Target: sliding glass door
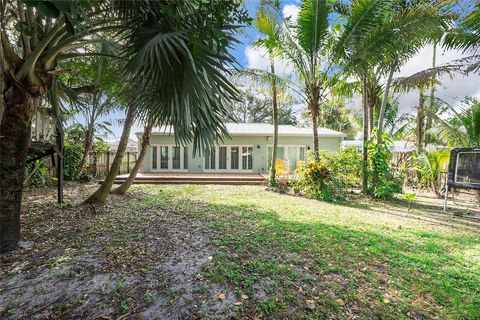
288	155
169	157
229	158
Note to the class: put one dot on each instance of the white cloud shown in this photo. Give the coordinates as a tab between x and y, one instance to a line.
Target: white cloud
257	58
291	10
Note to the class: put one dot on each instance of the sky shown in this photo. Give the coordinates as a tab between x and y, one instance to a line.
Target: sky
452	90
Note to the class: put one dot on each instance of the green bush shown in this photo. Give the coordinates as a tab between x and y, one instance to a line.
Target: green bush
39	176
345	164
382	183
314	179
73	155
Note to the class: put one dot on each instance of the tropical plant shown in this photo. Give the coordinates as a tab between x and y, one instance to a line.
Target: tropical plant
383	184
141	157
410	197
268	23
174	68
466	36
307	46
463	128
430	166
378	37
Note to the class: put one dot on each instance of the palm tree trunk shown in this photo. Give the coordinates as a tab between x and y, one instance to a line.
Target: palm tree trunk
365	137
143	151
15	132
429	120
315	134
420	121
273	171
370	111
381	115
100	196
87	147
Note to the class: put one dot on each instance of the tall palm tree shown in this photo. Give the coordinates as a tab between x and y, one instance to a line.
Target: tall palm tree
377	38
268	23
307	45
175	70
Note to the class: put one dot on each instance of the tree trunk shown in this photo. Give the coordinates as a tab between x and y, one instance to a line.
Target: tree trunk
15	132
370	109
365	136
478	196
87	147
381	115
143	151
273	169
429	120
420	121
315	134
100	196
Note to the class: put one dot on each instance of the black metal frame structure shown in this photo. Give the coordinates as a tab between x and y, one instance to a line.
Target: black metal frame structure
452	173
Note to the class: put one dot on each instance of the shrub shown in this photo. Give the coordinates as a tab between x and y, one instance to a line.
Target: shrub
36	173
382	183
314	179
73	155
345	164
430	166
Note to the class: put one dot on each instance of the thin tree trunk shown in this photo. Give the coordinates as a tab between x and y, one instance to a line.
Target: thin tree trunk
87	147
100	196
365	137
143	151
381	115
429	120
273	169
420	121
370	110
15	132
315	134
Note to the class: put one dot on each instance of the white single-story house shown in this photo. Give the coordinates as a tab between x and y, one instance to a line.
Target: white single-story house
248	149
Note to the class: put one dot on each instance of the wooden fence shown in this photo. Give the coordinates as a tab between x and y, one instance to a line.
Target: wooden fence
100	164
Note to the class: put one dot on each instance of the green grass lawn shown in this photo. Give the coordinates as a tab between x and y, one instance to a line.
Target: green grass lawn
216	252
297	257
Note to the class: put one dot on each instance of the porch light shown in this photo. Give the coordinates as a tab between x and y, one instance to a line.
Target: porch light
258	146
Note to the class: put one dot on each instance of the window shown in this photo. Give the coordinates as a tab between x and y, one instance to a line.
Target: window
247	158
222	158
234	158
176	158
210	159
154	157
163	157
185	158
302	154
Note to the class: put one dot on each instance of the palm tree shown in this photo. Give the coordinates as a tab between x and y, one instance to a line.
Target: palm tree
143	151
376	39
175	70
412	26
307	46
98	105
463	128
268	24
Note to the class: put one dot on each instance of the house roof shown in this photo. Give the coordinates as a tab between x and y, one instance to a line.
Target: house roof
262	129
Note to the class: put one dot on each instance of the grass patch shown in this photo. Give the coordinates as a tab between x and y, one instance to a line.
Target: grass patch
284	251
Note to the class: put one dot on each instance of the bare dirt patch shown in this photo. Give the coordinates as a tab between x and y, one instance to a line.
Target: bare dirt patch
121	260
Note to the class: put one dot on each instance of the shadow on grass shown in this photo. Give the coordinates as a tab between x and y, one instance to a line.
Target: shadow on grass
424	273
